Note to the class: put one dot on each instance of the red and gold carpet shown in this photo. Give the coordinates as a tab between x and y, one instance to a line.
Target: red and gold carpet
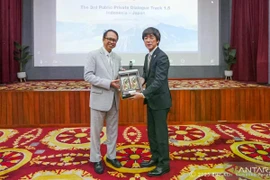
84	86
231	151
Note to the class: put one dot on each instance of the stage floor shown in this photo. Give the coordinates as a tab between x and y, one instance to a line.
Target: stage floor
85	86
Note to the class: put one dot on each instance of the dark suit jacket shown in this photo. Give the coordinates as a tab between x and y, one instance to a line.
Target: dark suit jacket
157	93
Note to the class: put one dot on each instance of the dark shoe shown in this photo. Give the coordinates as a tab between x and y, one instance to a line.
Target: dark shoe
114	162
98	167
158	171
148	163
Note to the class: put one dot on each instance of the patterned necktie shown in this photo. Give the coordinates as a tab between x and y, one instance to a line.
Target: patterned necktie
109	60
109	57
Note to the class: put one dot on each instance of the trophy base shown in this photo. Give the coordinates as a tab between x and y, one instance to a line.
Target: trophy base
128	94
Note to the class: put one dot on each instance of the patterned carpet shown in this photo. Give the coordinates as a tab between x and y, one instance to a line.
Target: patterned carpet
231	151
83	86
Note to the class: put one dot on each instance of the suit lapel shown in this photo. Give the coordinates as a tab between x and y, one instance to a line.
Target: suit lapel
105	61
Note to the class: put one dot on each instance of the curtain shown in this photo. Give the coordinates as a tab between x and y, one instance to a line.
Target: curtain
10	31
249	35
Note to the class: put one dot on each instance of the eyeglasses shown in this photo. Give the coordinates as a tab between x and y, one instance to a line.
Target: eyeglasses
111	39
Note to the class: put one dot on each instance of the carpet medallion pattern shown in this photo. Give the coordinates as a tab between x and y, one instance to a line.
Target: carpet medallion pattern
231	151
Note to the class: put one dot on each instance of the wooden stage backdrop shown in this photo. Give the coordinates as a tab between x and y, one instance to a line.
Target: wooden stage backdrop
190	106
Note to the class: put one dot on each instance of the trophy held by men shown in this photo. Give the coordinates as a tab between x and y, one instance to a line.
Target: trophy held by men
129	82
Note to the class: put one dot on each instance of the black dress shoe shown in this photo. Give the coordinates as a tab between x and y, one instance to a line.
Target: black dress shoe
158	171
114	162
148	163
98	167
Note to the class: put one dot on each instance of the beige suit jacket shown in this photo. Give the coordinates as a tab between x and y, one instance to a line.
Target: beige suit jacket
100	73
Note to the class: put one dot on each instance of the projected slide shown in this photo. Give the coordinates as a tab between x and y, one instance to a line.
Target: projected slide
65	31
80	24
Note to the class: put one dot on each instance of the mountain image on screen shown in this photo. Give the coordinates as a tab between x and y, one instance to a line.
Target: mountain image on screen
81	38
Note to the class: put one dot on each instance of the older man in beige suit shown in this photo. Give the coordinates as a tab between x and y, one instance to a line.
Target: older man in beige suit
101	71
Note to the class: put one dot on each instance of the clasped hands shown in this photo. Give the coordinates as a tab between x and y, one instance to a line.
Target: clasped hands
115	84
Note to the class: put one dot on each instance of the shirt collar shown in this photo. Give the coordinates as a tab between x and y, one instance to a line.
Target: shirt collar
106	52
152	52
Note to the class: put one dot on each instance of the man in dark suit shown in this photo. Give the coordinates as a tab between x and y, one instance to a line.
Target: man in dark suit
158	99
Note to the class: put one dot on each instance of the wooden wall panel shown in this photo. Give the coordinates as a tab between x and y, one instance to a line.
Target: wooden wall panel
266	105
36	107
56	104
192	105
77	118
9	108
21	114
66	107
83	109
41	109
46	107
71	108
15	114
187	100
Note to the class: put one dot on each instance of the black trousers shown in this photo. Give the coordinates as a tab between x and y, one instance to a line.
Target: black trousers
158	136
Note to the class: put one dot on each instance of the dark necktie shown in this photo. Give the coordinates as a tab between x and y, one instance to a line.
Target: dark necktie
149	60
